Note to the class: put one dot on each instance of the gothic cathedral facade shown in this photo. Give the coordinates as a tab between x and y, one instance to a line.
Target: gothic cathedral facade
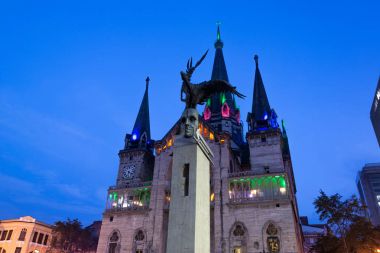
253	191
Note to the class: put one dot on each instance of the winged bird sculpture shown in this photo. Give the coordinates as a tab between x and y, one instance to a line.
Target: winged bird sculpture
199	93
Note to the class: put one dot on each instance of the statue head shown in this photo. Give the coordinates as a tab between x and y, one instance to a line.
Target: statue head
189	122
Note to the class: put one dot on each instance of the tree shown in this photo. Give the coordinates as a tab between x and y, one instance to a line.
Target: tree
69	237
349	230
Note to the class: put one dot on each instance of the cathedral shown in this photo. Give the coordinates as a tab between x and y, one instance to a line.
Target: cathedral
253	205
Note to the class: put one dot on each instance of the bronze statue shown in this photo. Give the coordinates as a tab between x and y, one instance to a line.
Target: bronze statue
199	93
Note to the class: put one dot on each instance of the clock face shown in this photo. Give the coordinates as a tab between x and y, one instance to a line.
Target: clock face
129	171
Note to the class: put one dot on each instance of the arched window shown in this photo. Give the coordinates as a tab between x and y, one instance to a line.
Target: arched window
22	235
143	139
139	242
114	243
272	234
238	238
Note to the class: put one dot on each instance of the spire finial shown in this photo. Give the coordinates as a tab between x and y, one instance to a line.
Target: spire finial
218	43
147	81
256	57
218	31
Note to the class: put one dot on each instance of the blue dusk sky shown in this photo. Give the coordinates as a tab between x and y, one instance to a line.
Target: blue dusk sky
72	75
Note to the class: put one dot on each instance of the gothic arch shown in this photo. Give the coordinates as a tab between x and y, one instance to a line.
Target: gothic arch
272	237
113	243
143	139
139	241
238	238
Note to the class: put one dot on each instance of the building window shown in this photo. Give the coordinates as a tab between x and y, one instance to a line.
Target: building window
40	238
9	234
113	243
238	238
4	235
22	235
46	239
35	237
237	250
139	242
18	250
273	242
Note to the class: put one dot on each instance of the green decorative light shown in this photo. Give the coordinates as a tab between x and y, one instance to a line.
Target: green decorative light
208	102
222	98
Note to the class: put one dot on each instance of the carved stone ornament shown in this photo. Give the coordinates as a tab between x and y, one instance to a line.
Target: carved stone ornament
238	231
272	230
114	237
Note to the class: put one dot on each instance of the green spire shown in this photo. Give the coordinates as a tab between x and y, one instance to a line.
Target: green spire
218	33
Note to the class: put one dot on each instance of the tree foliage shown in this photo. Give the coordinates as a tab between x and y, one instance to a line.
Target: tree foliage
349	230
69	237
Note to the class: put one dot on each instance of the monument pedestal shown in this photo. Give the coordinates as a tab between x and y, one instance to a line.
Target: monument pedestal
189	215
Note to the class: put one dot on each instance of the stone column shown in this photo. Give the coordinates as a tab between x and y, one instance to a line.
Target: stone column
189	215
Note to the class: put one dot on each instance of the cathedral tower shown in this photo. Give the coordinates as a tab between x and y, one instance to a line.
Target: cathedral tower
136	159
127	206
221	111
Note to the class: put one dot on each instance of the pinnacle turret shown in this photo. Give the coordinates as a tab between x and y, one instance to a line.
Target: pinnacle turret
262	116
140	136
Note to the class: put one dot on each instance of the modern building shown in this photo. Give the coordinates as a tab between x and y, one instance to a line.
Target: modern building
24	235
253	192
375	112
368	183
311	233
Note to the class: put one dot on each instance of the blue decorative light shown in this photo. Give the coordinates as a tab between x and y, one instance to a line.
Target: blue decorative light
134	137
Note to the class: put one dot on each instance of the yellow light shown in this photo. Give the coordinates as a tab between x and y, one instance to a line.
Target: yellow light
170	142
378	250
212	136
222	141
253	193
283	190
212	197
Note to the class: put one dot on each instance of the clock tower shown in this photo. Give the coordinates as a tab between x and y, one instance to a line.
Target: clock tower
137	159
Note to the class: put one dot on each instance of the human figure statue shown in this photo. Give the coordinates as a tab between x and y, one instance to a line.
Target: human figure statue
193	94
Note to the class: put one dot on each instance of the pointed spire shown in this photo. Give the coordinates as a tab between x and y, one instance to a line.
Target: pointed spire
260	104
142	123
219	71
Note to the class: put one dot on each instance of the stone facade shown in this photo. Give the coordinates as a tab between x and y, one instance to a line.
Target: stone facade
253	215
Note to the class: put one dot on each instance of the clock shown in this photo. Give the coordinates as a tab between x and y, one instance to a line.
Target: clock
129	171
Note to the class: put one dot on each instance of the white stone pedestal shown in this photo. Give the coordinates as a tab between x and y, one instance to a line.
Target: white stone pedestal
189	216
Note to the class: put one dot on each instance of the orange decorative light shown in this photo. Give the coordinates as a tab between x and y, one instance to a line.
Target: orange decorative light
222	141
205	131
212	136
170	142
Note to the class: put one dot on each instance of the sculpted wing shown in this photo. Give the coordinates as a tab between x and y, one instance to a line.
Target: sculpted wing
213	86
